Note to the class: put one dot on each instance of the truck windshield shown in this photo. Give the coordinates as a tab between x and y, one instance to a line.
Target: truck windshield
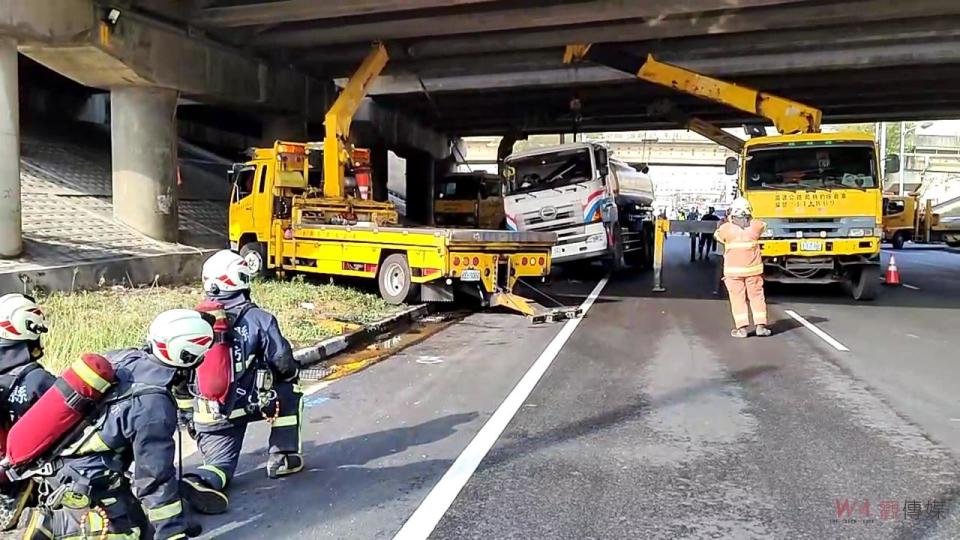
548	171
460	188
824	166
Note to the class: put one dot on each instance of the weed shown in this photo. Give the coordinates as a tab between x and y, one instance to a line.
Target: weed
115	318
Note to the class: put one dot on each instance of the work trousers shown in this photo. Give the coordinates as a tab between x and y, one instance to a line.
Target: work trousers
221	449
746	296
119	515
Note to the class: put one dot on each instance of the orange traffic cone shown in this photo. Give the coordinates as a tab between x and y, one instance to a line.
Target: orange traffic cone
893	274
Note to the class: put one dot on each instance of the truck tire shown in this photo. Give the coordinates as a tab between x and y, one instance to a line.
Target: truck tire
899	240
615	263
255	253
395	280
866	283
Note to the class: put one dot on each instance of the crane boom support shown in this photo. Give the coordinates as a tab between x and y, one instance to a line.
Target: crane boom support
336	144
788	116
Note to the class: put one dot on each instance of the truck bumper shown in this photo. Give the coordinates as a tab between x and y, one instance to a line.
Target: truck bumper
825	247
593	245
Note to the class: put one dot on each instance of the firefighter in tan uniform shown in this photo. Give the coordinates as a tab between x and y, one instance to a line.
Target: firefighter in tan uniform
743	268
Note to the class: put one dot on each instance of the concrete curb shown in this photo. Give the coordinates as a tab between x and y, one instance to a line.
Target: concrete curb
324	350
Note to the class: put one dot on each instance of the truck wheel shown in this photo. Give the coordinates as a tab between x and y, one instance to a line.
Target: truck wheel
395	280
255	255
899	240
866	283
615	263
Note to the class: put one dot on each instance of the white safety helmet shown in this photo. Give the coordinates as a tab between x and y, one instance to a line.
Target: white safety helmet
741	208
180	337
21	319
225	271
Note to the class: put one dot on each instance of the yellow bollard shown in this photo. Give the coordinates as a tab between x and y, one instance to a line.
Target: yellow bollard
660	234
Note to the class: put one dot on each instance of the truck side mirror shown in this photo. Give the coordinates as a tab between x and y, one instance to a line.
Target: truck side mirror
891	164
731	165
603	163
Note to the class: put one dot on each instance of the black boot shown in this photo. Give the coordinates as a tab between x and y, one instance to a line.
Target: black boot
284	464
202	497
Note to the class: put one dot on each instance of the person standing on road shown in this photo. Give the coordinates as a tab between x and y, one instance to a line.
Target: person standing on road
265	386
22	381
708	243
135	428
743	268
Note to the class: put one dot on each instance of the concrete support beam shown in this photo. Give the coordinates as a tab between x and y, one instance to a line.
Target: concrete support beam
399	131
283	128
938	51
421	171
69	37
143	136
517	18
306	10
11	228
795	15
380	163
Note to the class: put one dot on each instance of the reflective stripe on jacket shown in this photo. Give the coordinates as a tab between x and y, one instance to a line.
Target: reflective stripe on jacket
741	255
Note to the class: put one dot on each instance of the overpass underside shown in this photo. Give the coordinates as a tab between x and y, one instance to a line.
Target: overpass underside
458	67
474	67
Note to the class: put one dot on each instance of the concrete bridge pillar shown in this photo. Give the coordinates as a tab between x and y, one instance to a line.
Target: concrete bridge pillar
283	128
143	135
421	169
381	172
11	228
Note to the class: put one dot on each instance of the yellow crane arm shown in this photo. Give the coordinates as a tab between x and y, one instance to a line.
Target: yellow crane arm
336	140
788	116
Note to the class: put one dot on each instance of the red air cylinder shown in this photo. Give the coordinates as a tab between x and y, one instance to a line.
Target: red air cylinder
216	370
59	409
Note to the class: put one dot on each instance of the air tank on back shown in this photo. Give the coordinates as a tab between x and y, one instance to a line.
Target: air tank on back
636	187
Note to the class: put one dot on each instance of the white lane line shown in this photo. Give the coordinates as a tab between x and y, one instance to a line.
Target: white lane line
820	333
911	287
438	501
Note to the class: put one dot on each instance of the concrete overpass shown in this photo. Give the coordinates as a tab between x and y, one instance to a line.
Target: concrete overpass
475	67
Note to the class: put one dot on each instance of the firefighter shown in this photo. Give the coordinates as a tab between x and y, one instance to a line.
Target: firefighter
89	495
22	381
743	268
265	386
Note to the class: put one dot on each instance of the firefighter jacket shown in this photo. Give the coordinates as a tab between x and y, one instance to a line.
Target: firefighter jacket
22	379
256	345
741	248
136	425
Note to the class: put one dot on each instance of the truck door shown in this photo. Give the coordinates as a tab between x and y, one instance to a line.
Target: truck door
241	201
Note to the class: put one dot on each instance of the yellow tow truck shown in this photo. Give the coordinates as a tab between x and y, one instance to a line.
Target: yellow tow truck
904	220
470	199
819	193
286	217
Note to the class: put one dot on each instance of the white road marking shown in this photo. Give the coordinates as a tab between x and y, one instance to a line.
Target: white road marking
820	333
227	527
438	501
911	287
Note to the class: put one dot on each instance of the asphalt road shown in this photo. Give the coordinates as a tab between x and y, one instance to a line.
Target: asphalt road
651	422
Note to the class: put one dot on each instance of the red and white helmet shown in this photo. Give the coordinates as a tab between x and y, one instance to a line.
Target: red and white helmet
180	337
21	319
225	271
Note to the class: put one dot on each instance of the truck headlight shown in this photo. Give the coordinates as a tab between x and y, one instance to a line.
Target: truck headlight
767	233
857	233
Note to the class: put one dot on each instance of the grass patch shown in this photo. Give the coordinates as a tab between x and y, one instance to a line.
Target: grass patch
115	318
